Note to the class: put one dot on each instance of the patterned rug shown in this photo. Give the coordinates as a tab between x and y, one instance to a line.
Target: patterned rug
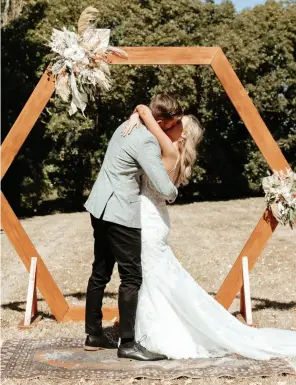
65	358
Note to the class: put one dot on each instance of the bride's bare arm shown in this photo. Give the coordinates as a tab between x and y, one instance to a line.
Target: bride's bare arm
168	151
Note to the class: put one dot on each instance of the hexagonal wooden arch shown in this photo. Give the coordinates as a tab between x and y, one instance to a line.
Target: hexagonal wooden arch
212	56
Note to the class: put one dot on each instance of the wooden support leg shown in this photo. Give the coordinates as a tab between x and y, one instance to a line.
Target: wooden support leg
253	249
35	304
247	292
31	306
245	314
31	320
242	307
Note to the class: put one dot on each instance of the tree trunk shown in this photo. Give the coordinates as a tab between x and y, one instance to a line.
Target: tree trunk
11	9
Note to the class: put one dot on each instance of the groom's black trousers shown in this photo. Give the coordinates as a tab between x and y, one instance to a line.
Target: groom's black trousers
114	243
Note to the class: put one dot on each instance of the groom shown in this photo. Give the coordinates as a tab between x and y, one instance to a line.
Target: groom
114	205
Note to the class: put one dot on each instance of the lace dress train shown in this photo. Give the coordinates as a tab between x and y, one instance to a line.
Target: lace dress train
179	318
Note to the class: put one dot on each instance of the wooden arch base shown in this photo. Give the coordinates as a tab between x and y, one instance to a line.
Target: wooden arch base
214	57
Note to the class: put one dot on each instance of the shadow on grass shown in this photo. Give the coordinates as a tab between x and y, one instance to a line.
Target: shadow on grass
262	303
81	295
19	306
269	304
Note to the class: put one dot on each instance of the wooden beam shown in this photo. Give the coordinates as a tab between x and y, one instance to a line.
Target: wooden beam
26	120
253	249
77	313
25	249
248	112
166	55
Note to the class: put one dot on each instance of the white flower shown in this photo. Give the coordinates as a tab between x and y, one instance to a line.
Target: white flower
75	54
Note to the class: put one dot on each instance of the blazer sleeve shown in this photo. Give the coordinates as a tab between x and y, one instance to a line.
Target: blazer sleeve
149	158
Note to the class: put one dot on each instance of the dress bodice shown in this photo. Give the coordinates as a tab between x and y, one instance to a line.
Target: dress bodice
148	189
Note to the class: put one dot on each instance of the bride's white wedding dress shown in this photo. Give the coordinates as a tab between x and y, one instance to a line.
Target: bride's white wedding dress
178	317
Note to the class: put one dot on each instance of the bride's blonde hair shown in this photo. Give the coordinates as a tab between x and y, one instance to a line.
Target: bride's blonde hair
190	138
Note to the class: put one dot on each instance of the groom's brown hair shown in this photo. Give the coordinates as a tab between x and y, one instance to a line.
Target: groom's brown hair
165	106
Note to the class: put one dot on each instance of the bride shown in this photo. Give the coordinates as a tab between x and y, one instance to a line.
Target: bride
175	315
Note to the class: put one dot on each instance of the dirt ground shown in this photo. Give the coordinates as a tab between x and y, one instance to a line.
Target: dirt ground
206	237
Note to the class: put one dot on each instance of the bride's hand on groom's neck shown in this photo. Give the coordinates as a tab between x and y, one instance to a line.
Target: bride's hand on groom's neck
131	124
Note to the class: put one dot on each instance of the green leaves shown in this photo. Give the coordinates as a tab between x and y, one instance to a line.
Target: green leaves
66	153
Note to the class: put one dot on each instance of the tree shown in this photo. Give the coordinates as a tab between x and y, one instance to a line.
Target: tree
259	42
10	10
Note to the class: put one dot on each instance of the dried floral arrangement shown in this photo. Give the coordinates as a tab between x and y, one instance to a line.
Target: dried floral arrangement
280	195
81	65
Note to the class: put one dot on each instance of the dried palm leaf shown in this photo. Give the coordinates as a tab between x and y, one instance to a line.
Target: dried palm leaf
87	18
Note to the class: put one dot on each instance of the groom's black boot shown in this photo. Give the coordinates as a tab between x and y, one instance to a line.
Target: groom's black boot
136	351
105	341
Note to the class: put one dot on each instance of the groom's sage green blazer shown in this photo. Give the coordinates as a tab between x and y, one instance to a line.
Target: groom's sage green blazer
116	192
